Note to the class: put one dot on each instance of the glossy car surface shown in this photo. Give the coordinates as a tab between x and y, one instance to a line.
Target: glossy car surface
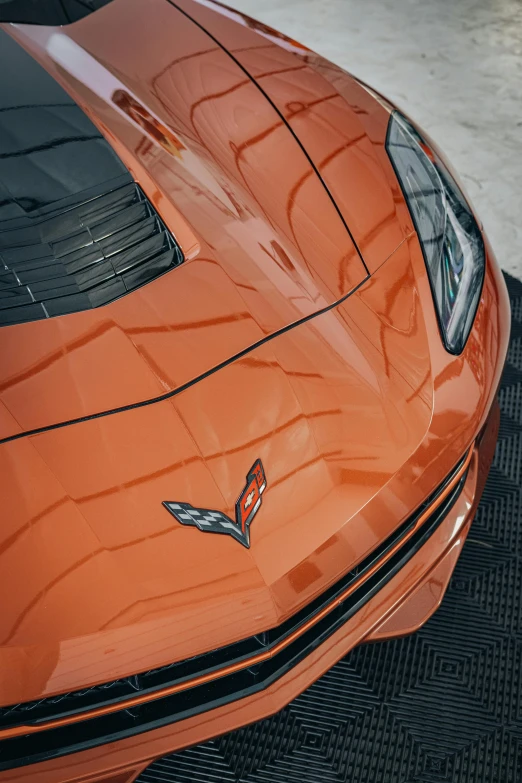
300	329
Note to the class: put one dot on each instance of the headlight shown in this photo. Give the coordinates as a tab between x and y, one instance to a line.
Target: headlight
450	238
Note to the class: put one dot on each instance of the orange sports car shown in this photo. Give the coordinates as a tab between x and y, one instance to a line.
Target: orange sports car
251	338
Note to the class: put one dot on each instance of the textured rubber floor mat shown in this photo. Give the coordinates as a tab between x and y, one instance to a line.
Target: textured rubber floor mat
444	704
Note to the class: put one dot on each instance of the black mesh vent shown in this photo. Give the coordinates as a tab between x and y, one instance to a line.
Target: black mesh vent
83	258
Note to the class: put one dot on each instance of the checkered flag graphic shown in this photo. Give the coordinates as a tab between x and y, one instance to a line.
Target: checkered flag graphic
204	519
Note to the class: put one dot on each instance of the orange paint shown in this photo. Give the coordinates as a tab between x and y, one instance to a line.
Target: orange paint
357	413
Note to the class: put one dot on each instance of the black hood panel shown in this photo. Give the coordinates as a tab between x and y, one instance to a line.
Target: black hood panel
75	231
51	12
51	154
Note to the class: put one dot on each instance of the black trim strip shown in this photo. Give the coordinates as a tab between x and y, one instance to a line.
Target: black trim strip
188	384
74	737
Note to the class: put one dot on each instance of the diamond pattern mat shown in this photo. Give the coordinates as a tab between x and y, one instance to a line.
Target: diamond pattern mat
444	704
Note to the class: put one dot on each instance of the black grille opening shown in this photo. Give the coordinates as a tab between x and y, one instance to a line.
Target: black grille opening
85	257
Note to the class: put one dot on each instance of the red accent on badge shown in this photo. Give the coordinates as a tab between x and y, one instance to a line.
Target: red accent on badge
258	471
248	502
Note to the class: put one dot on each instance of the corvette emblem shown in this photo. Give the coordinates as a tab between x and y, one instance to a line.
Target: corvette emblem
247	506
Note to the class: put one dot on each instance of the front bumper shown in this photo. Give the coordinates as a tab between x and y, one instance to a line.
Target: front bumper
399	607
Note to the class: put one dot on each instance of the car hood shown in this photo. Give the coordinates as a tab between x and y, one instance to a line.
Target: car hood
100	581
238	182
264	244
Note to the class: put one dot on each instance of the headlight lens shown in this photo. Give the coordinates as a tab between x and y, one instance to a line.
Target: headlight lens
450	238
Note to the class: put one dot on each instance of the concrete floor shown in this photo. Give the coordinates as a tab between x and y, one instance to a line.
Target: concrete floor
454	65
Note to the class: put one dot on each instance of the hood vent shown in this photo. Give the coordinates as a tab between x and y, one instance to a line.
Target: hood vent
85	257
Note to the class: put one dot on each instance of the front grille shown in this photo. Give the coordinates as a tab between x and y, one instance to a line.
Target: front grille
243	680
84	257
